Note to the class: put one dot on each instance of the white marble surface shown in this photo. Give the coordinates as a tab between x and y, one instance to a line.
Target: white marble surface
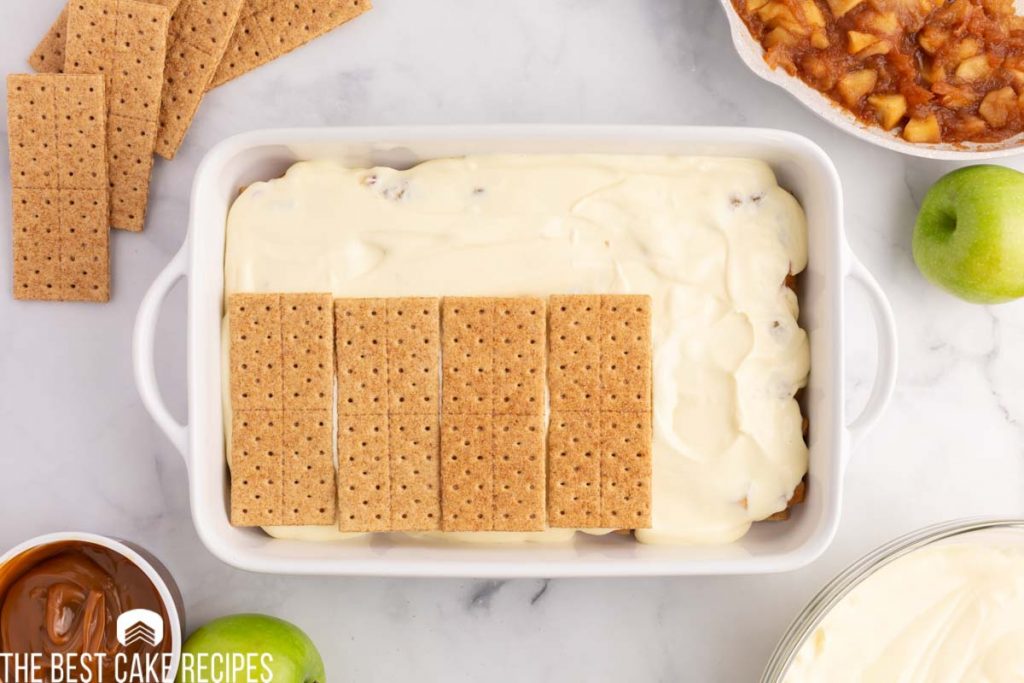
79	451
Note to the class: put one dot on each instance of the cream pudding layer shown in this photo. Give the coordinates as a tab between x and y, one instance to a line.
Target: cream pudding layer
711	240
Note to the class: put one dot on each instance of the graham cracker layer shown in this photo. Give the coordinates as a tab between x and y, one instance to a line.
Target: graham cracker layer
599	440
126	42
60	230
268	29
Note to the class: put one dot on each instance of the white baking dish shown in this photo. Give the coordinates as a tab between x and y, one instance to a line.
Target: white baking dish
802	168
752	54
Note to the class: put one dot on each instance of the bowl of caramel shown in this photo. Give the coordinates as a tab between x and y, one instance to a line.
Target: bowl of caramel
83	608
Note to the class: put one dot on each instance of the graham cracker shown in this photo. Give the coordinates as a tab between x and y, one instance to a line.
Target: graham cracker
467	470
599	441
126	41
364	477
257	497
361	350
310	493
254	323
626	470
467	347
520	356
60	229
307	334
519	470
269	29
626	353
413	350
199	35
48	57
574	356
414	447
574	469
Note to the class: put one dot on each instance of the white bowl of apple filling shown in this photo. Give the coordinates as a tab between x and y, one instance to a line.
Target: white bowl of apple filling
933	79
713	224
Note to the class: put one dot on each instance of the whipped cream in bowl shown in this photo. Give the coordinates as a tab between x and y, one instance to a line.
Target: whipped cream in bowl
942	604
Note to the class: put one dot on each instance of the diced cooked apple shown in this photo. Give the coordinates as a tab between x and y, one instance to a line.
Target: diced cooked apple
812	13
923	130
973	68
819	39
856	84
882	47
966	48
857	41
841	7
890	109
932	39
754	5
779	36
882	23
997	106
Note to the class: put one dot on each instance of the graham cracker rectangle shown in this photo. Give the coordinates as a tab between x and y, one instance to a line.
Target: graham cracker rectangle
626	353
307	334
414	448
310	493
519	471
269	29
126	41
467	351
360	333
626	470
574	356
467	466
199	35
257	491
574	469
60	222
364	477
48	57
414	354
254	322
520	356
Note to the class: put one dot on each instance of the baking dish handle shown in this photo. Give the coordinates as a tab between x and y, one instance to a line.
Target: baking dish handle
885	373
143	342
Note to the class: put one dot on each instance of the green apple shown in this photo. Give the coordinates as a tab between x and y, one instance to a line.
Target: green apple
969	236
250	648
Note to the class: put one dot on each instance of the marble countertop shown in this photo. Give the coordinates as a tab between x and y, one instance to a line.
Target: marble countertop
79	450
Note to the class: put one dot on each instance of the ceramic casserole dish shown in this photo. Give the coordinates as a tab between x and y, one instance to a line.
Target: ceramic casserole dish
801	167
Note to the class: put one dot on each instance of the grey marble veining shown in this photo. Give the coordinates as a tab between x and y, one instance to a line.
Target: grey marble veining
79	451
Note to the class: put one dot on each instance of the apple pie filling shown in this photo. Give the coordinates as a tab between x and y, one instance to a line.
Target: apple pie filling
949	71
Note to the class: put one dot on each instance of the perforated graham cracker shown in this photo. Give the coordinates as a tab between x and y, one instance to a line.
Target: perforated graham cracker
413	349
520	356
626	470
574	359
574	470
467	472
519	470
48	57
269	29
307	333
414	448
126	41
599	441
199	35
467	346
626	353
254	323
361	355
310	493
59	175
257	492
364	477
